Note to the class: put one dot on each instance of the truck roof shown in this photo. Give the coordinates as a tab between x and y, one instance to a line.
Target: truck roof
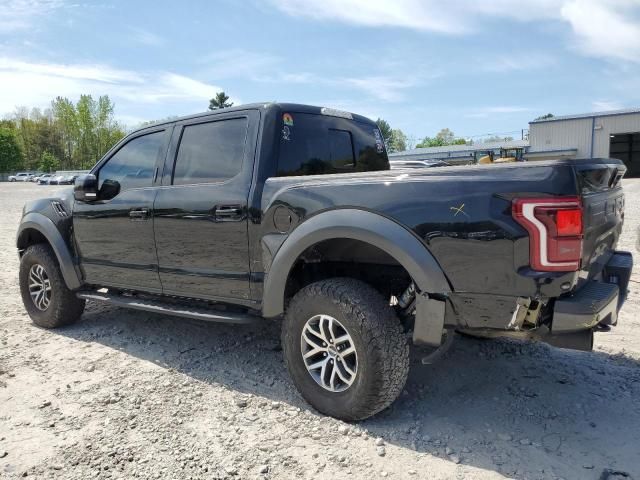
267	106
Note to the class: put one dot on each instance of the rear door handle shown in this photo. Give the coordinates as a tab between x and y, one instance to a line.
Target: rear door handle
228	213
139	214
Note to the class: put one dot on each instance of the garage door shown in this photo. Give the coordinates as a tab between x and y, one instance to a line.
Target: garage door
626	147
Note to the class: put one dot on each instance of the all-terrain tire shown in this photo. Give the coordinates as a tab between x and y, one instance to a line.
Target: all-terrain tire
63	308
382	348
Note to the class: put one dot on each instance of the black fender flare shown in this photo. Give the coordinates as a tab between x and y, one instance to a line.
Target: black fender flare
356	224
46	227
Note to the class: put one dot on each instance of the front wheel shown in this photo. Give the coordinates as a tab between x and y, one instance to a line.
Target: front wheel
345	348
46	298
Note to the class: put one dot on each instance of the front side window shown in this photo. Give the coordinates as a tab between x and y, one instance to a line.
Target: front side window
130	167
210	152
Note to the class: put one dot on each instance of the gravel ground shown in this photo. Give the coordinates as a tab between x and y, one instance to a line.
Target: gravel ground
125	394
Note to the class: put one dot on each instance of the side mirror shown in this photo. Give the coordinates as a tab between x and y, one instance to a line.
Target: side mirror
85	188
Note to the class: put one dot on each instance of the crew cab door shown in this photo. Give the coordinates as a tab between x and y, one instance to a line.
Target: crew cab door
200	212
114	232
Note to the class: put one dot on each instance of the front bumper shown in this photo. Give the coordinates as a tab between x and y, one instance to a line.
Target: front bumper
596	303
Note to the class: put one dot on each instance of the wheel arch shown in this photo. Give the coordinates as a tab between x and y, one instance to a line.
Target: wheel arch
37	228
362	225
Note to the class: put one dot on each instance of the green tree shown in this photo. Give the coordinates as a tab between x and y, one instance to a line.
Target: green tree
64	113
443	137
394	139
49	162
11	157
446	136
544	117
221	100
398	141
36	132
86	130
86	150
385	129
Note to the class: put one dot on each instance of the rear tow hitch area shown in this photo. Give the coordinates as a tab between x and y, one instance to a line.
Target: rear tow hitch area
526	324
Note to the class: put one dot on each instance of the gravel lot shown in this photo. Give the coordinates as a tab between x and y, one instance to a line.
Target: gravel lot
124	394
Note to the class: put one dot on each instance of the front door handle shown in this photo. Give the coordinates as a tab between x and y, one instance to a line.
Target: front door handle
139	214
228	213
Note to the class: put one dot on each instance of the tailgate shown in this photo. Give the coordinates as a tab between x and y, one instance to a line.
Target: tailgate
599	182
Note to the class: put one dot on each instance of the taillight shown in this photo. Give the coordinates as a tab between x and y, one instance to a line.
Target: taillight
555	231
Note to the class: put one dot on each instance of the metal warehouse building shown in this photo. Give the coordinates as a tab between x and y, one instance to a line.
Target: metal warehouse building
613	134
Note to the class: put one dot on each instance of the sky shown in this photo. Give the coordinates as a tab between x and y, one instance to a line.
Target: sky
477	67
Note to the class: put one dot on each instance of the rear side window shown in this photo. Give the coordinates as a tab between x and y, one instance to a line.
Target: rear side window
312	144
210	152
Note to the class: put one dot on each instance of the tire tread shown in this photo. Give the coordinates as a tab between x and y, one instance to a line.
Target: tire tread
66	307
385	339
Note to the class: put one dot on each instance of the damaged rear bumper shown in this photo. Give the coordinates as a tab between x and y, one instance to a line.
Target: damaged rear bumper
572	319
598	302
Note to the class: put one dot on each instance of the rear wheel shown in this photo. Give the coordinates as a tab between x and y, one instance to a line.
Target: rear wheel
46	298
345	348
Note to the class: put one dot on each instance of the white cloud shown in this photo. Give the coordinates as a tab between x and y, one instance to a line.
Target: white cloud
414	14
604	105
145	37
20	14
454	16
607	29
604	32
238	63
87	72
517	62
386	88
34	84
270	69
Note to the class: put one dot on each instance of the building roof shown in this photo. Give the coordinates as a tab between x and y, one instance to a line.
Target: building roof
609	113
460	148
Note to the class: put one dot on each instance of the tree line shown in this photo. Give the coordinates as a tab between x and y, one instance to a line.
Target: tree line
396	140
65	136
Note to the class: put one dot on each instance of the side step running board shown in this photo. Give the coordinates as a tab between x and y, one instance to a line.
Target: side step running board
198	313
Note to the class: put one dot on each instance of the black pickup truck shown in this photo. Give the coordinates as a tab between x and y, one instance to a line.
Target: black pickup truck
272	211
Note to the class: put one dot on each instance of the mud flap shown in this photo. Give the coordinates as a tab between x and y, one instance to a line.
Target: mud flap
429	322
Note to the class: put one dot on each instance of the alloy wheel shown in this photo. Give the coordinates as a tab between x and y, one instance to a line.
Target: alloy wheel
329	353
39	287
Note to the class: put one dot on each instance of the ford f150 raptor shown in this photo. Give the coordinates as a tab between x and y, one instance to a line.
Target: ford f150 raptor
277	210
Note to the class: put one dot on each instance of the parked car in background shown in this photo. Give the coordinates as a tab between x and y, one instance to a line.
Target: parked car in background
44	178
55	180
399	164
66	179
21	177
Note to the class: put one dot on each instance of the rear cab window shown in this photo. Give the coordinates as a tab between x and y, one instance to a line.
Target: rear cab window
316	144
